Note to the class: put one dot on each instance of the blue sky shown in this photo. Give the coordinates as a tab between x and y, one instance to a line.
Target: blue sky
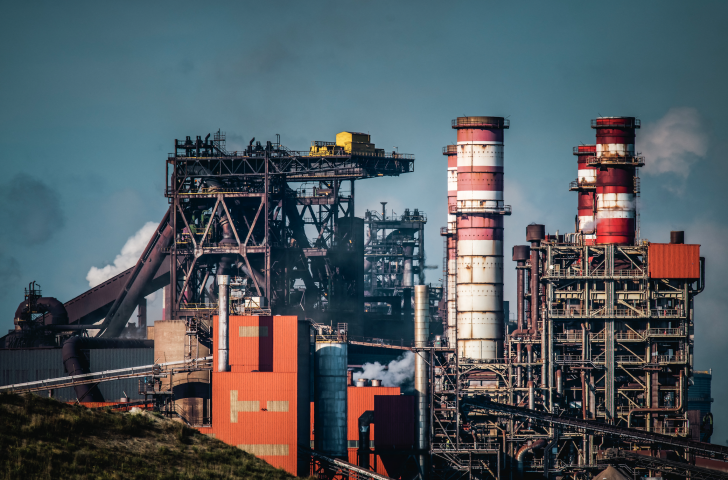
94	93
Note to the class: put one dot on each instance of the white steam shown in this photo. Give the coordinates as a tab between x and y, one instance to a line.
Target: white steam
130	253
673	143
398	373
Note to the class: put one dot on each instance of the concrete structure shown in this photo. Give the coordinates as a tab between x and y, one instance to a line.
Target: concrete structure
190	392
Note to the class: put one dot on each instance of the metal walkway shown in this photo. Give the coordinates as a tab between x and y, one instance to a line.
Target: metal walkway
110	375
704	449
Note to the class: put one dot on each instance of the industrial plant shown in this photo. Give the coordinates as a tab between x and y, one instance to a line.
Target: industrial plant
277	297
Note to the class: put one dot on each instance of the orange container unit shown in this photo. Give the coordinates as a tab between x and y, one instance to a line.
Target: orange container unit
262	406
672	260
359	400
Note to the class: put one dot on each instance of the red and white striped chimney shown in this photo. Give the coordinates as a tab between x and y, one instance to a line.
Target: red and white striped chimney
480	211
586	181
452	195
616	214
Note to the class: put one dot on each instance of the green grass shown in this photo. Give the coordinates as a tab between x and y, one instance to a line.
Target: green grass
43	438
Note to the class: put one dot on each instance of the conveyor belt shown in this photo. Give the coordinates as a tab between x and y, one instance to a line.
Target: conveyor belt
353	472
670	467
110	375
704	449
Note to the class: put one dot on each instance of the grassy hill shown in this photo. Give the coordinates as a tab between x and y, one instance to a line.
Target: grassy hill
43	438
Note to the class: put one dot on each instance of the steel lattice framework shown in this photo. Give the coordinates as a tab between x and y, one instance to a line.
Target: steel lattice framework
281	220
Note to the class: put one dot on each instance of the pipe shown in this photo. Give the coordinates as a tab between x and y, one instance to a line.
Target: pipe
223	363
365	421
408	274
540	443
53	310
659	409
76	363
701	283
531	395
559	382
143	273
422	334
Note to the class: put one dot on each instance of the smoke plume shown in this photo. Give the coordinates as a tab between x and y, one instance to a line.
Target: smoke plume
399	372
130	253
673	143
31	212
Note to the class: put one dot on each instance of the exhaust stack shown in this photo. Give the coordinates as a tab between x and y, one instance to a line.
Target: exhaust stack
480	210
422	334
223	361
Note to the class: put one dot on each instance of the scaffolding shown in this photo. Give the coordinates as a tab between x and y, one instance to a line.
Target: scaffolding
611	347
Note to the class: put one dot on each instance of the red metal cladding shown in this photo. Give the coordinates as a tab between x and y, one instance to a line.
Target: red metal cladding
258	412
262	343
394	418
679	261
361	399
616	210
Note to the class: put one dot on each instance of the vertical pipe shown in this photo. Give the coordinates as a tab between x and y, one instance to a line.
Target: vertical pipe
408	274
422	334
559	382
531	395
223	364
480	210
142	315
452	195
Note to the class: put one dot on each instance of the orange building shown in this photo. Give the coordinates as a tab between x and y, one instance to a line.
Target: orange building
262	404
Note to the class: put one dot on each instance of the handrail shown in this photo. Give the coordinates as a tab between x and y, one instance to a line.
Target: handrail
106	375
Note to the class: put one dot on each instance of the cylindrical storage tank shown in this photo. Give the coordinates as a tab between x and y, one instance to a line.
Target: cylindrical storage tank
376	383
616	208
422	337
362	382
480	211
330	363
677	237
452	199
586	185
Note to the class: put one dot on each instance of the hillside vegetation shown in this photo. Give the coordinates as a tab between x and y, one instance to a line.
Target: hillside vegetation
43	438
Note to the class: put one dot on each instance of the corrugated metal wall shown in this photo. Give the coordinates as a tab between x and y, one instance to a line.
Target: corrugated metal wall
359	400
28	365
668	260
262	405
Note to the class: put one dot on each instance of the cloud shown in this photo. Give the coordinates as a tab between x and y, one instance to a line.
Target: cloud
398	373
130	253
10	276
31	212
674	142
